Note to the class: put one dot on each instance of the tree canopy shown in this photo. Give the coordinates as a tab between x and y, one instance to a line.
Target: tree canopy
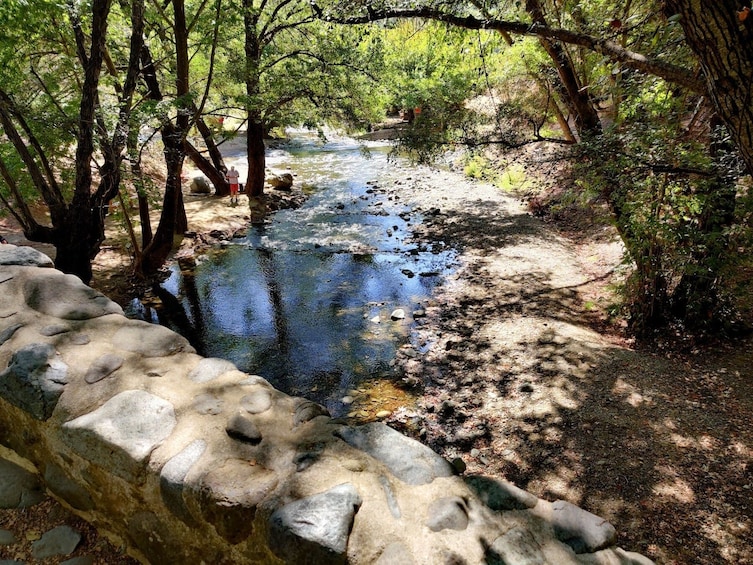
651	99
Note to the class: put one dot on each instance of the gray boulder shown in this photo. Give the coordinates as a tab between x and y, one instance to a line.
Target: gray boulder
34	380
23	256
281	182
315	530
200	185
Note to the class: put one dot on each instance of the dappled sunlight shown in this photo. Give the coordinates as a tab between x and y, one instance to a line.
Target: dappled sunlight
676	489
631	394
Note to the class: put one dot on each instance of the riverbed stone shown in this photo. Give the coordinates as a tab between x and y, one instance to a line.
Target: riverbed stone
66	297
500	495
61	540
257	402
229	495
54	329
123	432
8	332
34	380
305	411
173	475
18	487
103	367
407	459
448	513
281	182
581	530
242	428
315	529
397	314
23	256
210	369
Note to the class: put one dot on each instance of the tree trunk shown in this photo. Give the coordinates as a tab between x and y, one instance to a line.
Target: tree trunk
255	133
724	46
216	176
159	248
256	158
577	98
173	218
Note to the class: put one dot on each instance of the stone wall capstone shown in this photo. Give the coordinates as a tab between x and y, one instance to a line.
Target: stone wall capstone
189	460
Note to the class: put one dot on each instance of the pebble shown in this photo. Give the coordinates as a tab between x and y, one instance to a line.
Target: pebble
383	414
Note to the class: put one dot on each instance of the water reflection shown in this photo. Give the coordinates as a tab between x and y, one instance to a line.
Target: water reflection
306	301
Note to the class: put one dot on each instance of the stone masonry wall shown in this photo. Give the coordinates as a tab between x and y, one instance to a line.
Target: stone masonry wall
188	460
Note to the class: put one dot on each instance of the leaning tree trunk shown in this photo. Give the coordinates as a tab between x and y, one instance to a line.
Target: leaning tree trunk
722	38
577	98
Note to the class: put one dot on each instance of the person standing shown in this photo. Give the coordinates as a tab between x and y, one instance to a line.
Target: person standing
232	178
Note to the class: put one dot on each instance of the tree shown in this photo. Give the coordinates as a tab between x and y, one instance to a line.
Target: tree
720	33
76	213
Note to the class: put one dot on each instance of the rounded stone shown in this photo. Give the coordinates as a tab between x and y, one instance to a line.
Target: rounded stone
257	402
450	513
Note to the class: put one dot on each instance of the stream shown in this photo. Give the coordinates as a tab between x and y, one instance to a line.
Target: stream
312	300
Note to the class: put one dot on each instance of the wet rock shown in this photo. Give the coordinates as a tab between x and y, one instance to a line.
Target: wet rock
307	411
281	182
173	475
62	540
103	367
8	332
34	380
515	546
500	495
450	513
581	530
315	529
23	256
210	369
397	314
407	459
18	487
257	402
122	433
66	297
383	414
66	488
241	428
419	313
395	553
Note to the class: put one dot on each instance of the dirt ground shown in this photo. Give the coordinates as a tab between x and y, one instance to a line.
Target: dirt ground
524	378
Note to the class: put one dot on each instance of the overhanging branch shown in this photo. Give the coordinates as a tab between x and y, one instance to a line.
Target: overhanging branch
612	50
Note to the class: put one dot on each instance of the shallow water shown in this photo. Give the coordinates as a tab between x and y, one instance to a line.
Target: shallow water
306	300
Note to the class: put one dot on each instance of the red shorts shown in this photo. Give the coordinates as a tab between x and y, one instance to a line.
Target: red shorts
233	189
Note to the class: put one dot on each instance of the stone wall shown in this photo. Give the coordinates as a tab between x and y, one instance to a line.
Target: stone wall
189	460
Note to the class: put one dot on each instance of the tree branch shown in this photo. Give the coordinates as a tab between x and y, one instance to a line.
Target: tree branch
608	48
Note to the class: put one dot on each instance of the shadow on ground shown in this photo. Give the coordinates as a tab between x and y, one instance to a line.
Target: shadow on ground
519	384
